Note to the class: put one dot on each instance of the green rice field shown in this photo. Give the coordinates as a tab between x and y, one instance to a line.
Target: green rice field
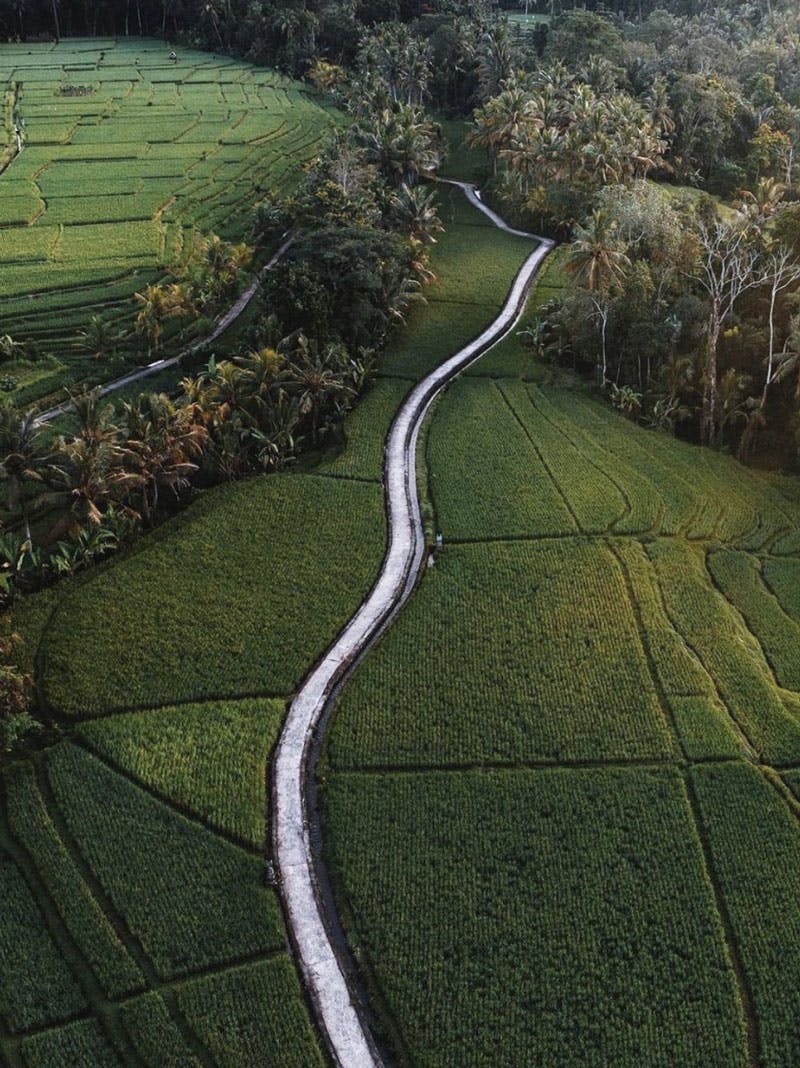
561	794
561	797
127	154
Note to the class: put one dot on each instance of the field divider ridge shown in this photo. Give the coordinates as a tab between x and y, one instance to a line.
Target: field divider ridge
308	912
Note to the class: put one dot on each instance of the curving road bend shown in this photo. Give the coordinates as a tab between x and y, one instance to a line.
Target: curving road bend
348	1039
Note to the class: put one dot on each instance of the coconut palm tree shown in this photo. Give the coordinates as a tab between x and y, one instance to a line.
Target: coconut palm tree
597	258
161	447
26	461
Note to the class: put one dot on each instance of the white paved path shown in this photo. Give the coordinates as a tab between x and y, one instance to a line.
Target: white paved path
348	1039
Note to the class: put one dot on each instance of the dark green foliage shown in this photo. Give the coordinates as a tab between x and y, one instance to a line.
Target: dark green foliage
190	898
155	1034
755	845
564	912
78	1045
347	281
82	915
220	1009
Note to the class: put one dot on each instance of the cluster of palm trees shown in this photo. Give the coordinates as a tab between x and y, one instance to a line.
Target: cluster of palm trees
72	500
554	132
211	275
710	297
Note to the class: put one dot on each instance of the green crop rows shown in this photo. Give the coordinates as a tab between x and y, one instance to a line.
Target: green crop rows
144	839
561	794
563	913
113	179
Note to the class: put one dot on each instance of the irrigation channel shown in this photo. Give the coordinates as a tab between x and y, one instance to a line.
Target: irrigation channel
305	906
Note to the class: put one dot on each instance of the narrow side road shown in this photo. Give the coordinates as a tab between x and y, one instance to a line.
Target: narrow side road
222	324
348	1039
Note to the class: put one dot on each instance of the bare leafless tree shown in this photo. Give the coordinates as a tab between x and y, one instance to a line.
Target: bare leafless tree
730	265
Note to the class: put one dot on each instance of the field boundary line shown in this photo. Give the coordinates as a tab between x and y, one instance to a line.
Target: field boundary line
559	489
749	748
307	911
582	450
164	799
741	619
222	324
119	923
71	951
741	979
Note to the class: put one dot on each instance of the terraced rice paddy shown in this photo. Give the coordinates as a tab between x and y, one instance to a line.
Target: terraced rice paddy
126	155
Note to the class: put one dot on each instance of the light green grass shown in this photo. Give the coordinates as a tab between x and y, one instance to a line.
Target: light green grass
89	162
210	758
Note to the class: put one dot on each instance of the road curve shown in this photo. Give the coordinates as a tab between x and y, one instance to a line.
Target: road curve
348	1038
221	325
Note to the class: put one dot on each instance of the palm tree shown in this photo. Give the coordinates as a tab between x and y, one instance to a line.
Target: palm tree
415	209
402	143
159	303
162	444
597	260
316	382
597	257
98	338
25	460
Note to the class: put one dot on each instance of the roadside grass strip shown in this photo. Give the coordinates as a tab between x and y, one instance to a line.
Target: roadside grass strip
365	430
215	603
508	653
208	909
754	838
558	917
209	758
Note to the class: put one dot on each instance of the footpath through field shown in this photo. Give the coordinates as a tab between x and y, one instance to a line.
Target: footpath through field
348	1039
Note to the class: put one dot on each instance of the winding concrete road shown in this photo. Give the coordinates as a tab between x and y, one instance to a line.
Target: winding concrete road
348	1038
